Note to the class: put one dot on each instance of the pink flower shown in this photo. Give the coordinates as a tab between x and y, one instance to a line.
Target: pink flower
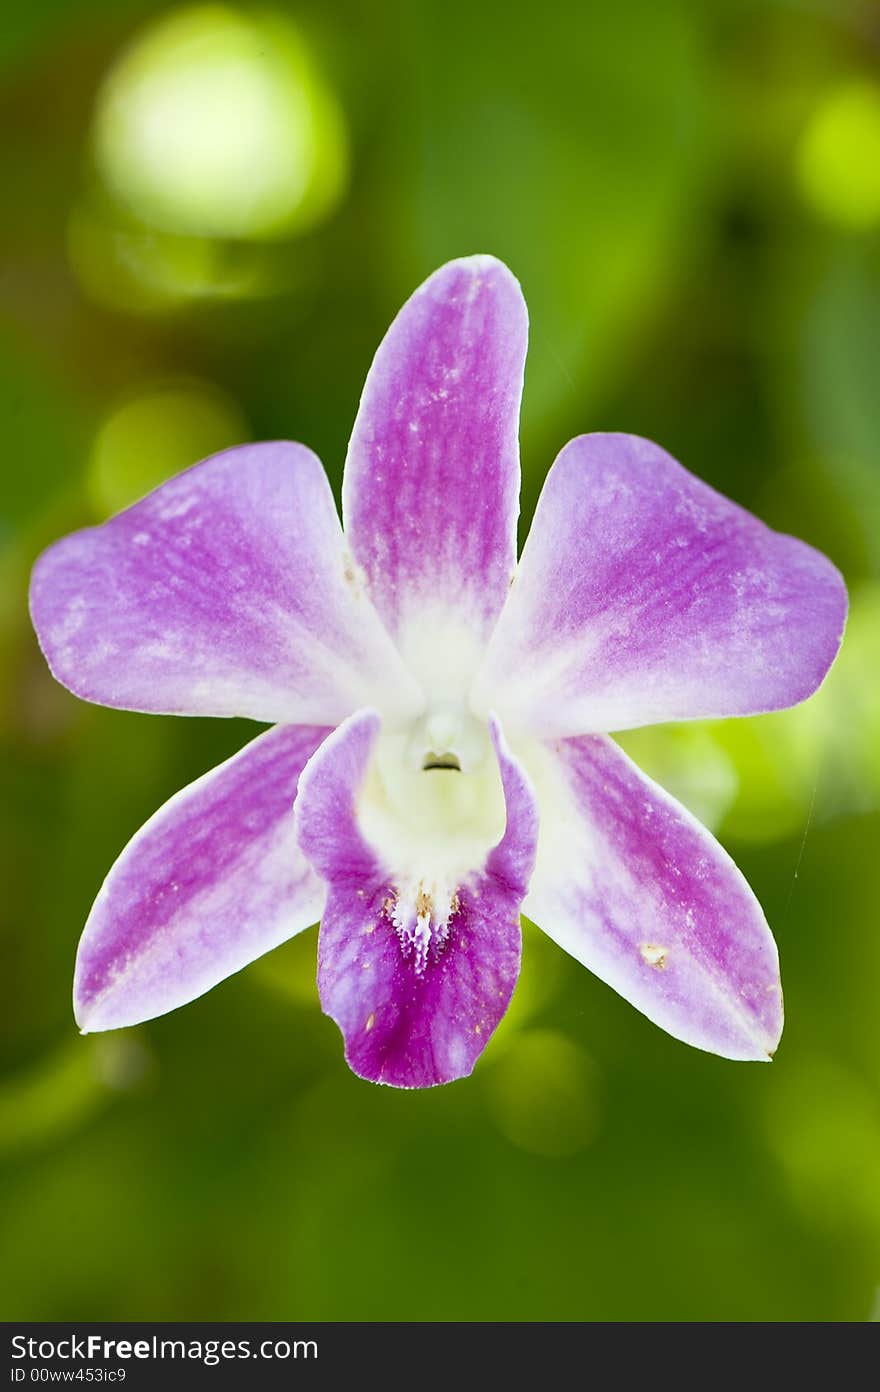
439	759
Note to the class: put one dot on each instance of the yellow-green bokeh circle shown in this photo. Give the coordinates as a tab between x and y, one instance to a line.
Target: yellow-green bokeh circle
215	123
839	157
154	434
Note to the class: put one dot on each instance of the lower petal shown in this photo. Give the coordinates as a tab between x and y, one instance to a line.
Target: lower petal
634	887
212	881
416	1005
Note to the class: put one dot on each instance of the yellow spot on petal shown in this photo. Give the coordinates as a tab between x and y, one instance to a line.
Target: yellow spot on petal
371	1020
654	956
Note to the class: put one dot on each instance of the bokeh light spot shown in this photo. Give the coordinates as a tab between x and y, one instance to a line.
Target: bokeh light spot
839	157
65	1090
688	762
127	266
289	971
543	1094
820	759
829	1154
155	434
216	123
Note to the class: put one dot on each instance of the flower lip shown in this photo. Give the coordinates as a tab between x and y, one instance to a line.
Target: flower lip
415	968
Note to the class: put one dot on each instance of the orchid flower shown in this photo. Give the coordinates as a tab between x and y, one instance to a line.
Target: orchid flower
439	760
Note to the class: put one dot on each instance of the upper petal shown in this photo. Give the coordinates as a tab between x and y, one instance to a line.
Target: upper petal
431	490
645	596
224	592
410	1019
212	881
634	887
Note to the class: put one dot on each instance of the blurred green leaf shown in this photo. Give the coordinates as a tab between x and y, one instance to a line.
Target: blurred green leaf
45	433
840	386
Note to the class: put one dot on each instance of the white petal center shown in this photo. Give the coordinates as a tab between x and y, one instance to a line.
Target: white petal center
432	806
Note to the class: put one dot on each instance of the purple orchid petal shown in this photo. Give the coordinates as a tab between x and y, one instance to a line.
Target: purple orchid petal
224	592
645	596
431	490
410	1019
634	887
212	881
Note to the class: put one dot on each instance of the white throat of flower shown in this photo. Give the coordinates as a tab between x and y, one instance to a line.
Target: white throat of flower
432	807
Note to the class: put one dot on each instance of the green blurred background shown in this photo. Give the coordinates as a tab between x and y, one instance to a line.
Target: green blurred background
209	217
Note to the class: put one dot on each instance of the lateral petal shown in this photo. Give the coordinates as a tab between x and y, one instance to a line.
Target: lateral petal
226	591
634	887
212	881
644	596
